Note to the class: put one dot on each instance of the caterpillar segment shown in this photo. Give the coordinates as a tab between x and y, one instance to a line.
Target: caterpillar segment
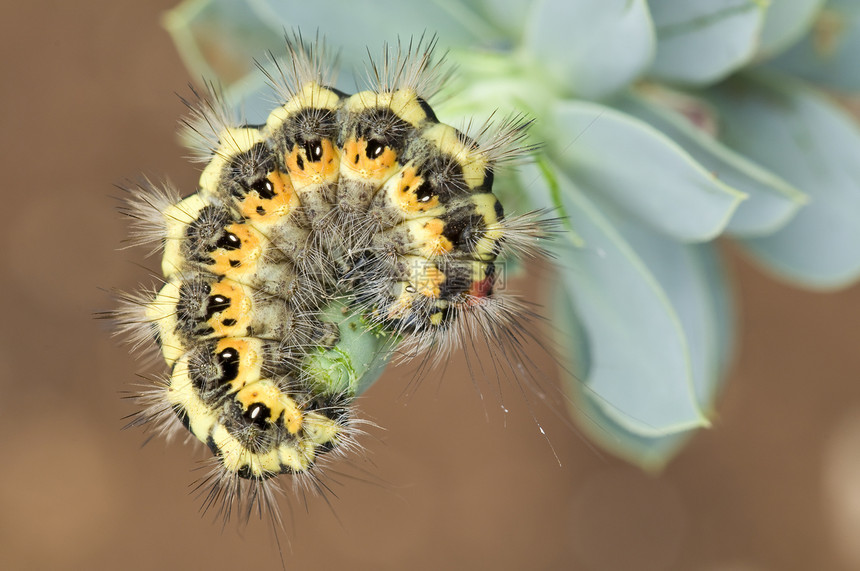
202	235
303	135
245	175
198	307
471	228
411	294
441	167
256	428
376	128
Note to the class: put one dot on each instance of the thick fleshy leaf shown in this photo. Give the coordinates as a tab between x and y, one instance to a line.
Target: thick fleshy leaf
640	370
785	22
357	359
487	82
507	16
698	290
691	275
622	159
651	453
219	39
592	47
772	201
702	42
358	27
797	133
828	53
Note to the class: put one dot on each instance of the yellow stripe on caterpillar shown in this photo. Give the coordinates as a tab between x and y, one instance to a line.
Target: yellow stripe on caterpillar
403	103
452	144
234	142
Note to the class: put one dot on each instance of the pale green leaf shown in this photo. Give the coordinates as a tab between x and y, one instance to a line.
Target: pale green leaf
828	54
716	275
591	47
621	159
800	135
785	22
650	453
356	27
219	39
702	42
699	292
356	361
507	16
640	371
772	201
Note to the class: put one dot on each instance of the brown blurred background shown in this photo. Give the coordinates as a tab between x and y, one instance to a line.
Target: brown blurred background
88	101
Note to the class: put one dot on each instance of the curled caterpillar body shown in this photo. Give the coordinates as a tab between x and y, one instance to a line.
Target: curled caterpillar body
317	243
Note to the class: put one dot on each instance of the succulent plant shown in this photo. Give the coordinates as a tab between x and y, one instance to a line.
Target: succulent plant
665	125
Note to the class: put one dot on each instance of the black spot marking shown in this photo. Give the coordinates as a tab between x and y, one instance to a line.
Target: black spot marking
204	232
424	192
325	447
445	176
228	359
498	246
300	162
229	241
252	165
204	331
210	442
458	279
216	303
336	91
313	150
431	115
258	414
261	211
447	311
264	188
205	260
332	406
211	371
487	183
182	415
235	263
374	149
229	322
191	304
379	126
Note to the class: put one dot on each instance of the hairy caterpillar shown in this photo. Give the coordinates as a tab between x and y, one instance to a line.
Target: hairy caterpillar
317	243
